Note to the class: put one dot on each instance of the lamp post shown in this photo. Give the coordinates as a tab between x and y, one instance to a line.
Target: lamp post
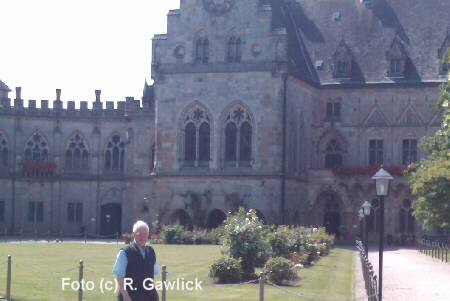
361	216
382	180
367	208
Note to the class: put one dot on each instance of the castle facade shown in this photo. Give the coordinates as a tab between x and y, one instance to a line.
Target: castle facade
287	107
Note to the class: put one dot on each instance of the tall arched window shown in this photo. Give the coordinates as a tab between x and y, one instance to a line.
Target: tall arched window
190	141
115	154
204	142
4	151
333	156
202	50
238	138
405	218
77	154
36	149
197	138
234	50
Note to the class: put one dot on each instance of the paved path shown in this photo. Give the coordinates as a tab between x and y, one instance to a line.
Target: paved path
411	276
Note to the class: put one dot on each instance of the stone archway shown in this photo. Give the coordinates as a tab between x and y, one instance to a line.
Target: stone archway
110	219
327	212
215	218
180	217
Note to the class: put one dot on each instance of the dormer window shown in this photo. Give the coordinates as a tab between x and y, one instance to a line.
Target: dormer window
342	61
396	67
397	58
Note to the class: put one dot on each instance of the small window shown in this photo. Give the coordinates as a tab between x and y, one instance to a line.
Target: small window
4	153
376	152
333	110
409	151
202	50
36	212
234	50
395	67
2	211
75	213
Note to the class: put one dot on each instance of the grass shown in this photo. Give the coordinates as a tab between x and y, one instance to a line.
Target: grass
38	269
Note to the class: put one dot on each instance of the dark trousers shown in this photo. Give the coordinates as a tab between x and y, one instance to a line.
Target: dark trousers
153	296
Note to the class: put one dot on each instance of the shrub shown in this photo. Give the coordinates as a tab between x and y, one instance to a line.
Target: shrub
215	235
226	270
173	234
280	241
280	270
244	239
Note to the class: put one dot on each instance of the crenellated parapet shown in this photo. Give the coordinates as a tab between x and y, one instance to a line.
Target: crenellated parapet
108	109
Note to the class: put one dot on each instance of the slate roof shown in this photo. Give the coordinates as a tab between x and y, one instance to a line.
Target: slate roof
4	87
317	27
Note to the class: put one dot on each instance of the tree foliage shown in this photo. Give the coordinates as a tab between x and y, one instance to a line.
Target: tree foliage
430	179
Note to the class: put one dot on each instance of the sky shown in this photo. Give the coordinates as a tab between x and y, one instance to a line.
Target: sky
79	46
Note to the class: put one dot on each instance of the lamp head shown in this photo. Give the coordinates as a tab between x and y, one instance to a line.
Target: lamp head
382	180
361	213
366	208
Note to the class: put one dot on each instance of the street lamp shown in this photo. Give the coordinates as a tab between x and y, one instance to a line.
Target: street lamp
367	208
382	180
361	216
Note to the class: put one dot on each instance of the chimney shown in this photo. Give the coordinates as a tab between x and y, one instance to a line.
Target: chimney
97	95
58	94
18	92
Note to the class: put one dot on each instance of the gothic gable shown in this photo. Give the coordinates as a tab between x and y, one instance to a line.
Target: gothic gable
410	116
376	118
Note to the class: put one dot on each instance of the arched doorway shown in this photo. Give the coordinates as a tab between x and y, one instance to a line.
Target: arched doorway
215	219
332	215
180	217
111	219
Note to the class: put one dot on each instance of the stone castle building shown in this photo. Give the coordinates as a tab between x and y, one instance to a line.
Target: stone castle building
283	106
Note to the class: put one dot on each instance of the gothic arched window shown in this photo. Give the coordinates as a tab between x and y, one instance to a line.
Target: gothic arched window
190	142
202	50
77	154
238	137
36	149
197	138
406	219
115	154
4	151
333	156
234	50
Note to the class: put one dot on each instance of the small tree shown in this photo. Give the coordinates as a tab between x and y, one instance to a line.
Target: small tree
244	239
431	179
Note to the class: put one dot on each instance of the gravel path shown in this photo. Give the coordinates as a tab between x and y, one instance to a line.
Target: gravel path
409	276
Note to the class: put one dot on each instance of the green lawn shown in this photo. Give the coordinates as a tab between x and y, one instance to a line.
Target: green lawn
38	269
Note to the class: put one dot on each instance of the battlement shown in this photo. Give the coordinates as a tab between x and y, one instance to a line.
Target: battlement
99	108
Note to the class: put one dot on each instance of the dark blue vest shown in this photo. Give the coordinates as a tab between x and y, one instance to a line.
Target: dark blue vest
139	269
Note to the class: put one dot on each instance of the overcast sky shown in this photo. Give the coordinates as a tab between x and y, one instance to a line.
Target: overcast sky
79	46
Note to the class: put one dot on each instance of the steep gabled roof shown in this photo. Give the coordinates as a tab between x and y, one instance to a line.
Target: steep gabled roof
317	27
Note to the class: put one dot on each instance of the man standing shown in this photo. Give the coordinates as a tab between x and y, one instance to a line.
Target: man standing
135	265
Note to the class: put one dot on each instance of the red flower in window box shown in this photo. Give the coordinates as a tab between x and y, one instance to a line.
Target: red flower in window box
348	171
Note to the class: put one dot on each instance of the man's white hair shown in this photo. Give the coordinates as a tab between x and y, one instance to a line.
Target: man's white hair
140	224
